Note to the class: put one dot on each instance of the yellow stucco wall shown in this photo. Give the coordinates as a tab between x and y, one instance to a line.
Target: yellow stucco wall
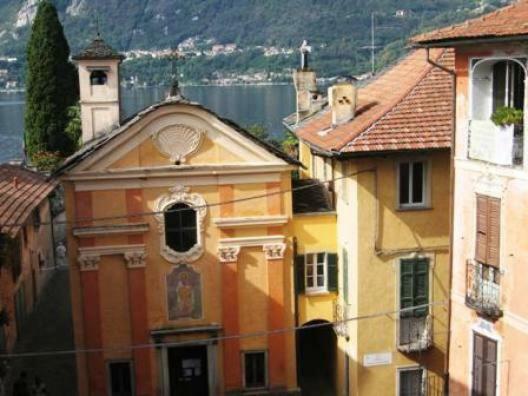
377	235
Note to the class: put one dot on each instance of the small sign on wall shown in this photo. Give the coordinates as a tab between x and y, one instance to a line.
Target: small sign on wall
377	359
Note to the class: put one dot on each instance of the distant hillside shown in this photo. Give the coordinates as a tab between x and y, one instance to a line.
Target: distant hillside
338	29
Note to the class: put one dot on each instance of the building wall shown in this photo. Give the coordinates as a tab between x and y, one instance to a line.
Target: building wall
510	184
377	235
36	258
251	294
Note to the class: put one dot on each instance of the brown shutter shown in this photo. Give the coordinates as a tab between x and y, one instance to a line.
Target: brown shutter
490	367
481	248
493	231
478	358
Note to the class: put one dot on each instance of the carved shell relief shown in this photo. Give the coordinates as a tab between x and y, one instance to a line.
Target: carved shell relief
178	141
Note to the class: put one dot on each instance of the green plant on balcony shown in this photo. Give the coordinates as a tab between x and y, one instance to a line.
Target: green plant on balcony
505	116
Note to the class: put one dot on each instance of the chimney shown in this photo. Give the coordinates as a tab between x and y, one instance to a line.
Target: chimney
305	83
342	98
99	88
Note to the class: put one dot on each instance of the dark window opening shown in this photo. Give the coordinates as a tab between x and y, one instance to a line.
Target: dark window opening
98	77
255	369
411	382
181	232
412	183
120	379
508	85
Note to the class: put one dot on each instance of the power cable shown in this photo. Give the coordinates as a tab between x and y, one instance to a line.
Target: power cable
219	338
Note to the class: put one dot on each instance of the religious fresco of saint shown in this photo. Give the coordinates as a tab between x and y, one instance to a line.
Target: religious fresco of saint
184	293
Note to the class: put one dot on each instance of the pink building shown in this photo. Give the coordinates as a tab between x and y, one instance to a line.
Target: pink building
488	352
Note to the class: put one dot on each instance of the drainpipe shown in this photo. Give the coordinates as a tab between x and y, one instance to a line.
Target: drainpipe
451	223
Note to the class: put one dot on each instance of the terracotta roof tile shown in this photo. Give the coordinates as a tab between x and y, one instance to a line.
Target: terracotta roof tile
21	191
508	21
407	108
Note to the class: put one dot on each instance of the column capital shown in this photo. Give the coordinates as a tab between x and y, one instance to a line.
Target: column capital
228	254
136	259
89	262
274	251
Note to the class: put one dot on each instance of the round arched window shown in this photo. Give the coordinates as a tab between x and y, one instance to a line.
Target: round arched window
181	231
98	77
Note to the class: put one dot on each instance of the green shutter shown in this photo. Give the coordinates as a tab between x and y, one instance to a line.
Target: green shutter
299	274
345	275
332	271
414	286
421	286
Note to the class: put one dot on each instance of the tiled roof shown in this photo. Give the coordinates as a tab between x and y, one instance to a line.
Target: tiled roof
507	21
406	108
21	191
310	196
98	49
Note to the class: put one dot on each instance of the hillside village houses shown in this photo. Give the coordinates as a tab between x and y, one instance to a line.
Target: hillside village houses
386	260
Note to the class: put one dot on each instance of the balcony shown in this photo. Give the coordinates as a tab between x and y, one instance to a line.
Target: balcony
483	289
415	334
496	145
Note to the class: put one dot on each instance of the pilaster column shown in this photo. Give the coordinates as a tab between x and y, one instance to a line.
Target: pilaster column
137	295
276	315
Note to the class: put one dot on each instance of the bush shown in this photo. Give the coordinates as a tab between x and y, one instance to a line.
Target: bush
504	116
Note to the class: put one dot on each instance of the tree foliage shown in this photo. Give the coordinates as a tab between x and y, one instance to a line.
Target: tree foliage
51	86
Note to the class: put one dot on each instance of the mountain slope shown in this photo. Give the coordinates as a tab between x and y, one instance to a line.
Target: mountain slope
340	29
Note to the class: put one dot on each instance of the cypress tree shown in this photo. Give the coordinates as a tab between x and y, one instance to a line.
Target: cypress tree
51	86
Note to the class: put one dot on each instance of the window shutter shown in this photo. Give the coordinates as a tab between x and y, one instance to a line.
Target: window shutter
299	274
421	286
493	231
481	248
406	286
332	271
490	367
478	357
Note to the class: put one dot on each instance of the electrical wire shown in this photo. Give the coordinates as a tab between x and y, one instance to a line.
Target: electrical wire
219	338
210	205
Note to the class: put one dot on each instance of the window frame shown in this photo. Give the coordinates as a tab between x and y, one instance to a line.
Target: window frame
180	194
182	228
426	184
316	289
99	76
109	374
266	369
402	369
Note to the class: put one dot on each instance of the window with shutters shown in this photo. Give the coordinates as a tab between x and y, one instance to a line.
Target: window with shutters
120	378
414	323
483	274
412	184
411	382
316	273
345	275
255	369
484	374
488	230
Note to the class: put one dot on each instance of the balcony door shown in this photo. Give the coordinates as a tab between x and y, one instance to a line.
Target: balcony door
484	366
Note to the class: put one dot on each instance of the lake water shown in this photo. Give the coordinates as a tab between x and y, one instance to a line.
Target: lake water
245	105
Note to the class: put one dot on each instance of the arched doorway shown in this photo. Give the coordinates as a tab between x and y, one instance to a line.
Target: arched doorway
317	358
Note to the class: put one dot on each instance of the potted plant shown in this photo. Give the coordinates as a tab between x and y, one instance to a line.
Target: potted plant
506	119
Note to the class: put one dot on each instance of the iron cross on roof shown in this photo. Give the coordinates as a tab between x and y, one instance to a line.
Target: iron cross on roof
175	56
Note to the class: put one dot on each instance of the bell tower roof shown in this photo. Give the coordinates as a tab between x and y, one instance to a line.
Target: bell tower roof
98	50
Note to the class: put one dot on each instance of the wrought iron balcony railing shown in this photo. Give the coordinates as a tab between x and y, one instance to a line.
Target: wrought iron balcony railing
415	333
483	288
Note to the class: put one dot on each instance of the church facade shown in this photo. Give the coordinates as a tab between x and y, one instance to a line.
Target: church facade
180	241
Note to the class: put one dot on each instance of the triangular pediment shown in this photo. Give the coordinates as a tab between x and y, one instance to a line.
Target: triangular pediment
177	134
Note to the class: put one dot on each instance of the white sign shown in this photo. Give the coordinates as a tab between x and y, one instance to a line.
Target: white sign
377	359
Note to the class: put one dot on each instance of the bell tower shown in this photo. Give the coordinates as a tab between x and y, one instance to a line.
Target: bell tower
98	66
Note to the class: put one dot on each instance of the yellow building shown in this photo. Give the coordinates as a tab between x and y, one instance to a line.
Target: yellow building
180	244
383	152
